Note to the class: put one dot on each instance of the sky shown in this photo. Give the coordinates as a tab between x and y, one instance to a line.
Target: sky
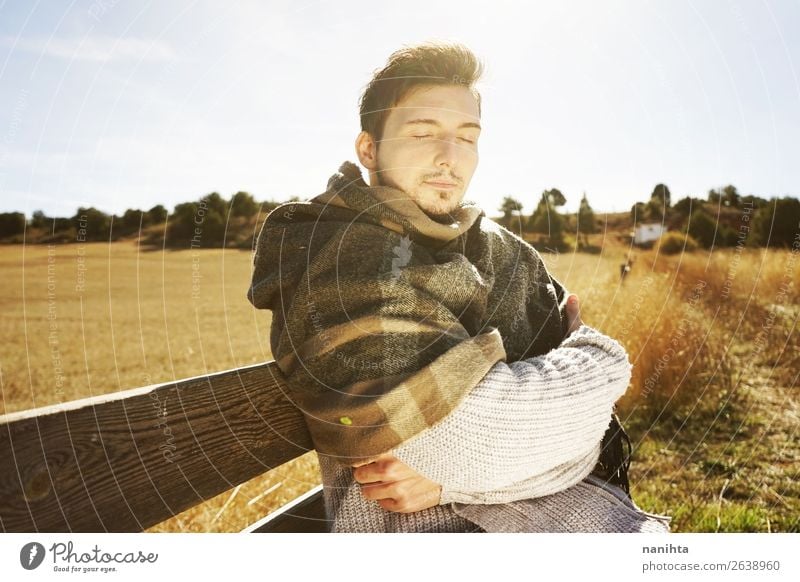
119	104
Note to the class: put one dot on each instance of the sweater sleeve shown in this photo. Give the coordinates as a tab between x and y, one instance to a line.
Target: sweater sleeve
528	427
547	483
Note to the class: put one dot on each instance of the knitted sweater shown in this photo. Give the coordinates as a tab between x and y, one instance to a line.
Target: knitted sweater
515	456
398	333
384	319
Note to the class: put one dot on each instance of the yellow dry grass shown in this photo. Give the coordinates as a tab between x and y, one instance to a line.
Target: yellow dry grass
141	317
714	401
712	338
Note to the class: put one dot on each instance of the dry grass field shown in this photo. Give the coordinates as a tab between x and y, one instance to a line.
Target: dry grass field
142	317
712	410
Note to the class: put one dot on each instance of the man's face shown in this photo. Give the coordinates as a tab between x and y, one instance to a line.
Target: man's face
429	147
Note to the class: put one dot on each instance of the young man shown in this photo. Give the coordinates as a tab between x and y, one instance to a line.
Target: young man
446	378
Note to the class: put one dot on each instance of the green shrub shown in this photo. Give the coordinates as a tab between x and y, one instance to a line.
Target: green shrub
674	242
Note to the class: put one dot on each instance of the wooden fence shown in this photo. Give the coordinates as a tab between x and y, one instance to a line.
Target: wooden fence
125	461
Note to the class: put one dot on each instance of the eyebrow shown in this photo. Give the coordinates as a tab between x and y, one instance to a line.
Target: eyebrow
436	123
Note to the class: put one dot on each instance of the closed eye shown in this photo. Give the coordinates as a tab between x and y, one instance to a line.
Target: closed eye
429	135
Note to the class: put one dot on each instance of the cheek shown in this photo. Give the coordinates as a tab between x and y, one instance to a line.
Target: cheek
471	164
466	168
400	161
471	156
392	155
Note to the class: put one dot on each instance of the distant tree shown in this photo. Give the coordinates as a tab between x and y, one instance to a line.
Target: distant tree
199	224
655	210
638	212
714	196
555	197
730	196
215	220
659	203
556	235
180	228
39	220
509	208
214	229
61	224
243	205
12	223
216	203
548	201
129	222
702	228
586	220
685	206
775	224
752	201
662	194
157	215
92	223
540	219
547	220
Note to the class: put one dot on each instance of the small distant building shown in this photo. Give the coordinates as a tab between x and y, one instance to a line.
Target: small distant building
645	234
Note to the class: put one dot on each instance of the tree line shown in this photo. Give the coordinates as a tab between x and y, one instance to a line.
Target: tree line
724	218
210	221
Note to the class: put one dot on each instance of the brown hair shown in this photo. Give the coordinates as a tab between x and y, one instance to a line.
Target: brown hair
412	67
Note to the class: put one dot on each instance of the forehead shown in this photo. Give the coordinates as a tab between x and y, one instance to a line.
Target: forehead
448	104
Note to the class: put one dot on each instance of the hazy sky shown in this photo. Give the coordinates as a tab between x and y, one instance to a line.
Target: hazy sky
121	104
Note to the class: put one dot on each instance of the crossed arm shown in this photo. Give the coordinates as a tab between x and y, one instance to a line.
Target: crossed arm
567	394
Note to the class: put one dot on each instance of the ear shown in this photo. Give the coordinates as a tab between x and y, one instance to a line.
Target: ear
367	151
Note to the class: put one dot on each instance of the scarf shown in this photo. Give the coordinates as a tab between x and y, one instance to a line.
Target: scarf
383	319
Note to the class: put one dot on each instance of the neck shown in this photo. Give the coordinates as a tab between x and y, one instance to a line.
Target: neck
374	179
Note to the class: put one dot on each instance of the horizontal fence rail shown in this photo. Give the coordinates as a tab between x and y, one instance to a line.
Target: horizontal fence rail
306	514
125	461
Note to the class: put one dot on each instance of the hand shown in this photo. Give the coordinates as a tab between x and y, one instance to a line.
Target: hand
573	314
396	486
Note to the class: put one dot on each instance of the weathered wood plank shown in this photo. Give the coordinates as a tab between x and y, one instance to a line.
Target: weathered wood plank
128	460
306	514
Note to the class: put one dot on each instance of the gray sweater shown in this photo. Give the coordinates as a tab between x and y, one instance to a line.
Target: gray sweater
442	343
515	455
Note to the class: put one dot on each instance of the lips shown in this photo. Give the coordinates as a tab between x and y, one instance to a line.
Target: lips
438	184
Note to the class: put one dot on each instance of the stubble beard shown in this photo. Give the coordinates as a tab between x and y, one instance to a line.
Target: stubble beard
437	214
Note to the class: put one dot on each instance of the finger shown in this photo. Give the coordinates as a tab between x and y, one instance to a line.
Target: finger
389	505
378	491
386	469
371	460
404	497
419	497
573	313
376	471
368	473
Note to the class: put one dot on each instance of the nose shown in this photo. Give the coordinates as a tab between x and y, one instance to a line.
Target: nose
446	153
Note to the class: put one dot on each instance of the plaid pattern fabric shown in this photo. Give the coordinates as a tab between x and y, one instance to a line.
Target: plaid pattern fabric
384	319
